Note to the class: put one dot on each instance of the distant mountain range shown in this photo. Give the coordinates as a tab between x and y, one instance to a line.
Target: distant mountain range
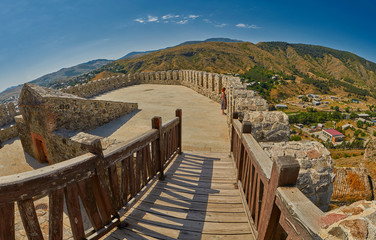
61	76
313	66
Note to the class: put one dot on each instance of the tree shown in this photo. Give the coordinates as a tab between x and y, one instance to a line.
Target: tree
336	108
305	99
347	109
353	115
359	124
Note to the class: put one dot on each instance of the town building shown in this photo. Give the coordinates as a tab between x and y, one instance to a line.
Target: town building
333	135
281	106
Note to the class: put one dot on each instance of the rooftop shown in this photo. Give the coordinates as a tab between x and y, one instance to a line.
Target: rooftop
333	132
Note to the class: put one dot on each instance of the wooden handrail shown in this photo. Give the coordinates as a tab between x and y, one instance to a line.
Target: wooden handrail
276	210
25	185
103	181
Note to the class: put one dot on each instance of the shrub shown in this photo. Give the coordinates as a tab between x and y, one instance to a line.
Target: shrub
295	138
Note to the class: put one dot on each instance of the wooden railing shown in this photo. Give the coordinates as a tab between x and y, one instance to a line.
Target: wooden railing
107	183
276	208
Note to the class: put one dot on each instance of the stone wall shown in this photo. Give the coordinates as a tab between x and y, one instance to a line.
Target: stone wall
316	175
45	111
8	133
7	114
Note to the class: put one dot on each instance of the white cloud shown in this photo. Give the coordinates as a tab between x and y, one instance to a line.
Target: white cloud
193	16
253	26
152	19
140	20
168	16
242	25
221	25
182	22
207	20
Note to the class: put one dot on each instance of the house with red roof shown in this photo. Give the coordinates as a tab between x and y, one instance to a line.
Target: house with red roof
333	135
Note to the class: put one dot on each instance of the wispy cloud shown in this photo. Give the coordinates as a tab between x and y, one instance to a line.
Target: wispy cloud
192	16
182	22
152	19
221	25
207	20
242	25
140	20
168	16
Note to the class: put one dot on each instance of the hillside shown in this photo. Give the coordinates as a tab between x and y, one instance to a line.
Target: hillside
139	54
318	69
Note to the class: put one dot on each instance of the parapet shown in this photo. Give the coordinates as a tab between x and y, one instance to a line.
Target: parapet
316	175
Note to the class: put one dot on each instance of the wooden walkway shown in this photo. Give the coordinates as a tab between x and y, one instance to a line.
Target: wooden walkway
199	199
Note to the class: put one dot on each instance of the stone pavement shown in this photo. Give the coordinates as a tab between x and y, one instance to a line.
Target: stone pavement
204	126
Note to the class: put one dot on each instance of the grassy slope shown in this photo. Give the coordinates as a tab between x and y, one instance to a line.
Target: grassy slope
316	61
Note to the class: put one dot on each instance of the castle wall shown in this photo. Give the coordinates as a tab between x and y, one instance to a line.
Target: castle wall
8	133
7	114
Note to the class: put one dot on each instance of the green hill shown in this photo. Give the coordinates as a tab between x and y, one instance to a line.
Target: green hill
318	69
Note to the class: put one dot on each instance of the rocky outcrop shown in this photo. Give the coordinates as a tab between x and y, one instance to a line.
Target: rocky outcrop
316	174
370	152
268	126
351	184
357	221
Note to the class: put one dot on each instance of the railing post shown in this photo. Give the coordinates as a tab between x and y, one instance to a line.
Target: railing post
178	113
284	172
234	116
156	123
106	200
7	231
246	128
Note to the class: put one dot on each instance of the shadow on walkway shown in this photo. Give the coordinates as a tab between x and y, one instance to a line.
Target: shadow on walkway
193	200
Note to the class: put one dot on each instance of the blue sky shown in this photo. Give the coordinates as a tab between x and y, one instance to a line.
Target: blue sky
42	36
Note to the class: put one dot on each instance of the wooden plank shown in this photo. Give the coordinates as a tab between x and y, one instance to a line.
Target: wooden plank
115	188
303	213
132	177
151	230
170	124
74	212
250	187
258	205
105	213
157	124
44	180
95	147
125	180
144	168
149	163
7	221
168	194
138	171
115	155
88	200
56	203
285	172
254	189
189	225
262	162
197	206
29	219
198	191
216	217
